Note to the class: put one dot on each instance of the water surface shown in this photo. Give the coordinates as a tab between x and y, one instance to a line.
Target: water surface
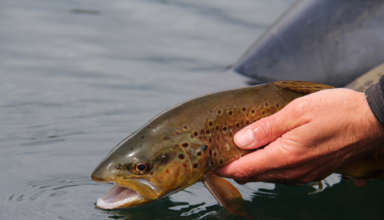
78	76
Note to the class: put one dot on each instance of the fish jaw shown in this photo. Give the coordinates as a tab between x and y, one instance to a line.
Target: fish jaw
128	193
119	197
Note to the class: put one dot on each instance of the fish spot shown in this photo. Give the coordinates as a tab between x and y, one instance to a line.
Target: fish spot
119	166
204	147
253	111
185	127
263	112
237	124
181	156
210	123
214	153
195	133
224	128
210	140
185	145
277	105
199	153
219	112
217	127
207	132
195	165
221	162
230	112
244	109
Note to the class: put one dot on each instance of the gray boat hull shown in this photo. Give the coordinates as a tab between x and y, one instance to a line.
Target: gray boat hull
325	41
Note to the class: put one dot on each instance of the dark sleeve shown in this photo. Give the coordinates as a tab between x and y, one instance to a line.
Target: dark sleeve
375	99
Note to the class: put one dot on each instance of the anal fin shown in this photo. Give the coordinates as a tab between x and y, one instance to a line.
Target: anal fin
226	194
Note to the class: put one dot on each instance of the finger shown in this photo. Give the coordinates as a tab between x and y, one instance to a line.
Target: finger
300	174
270	128
284	160
257	162
287	173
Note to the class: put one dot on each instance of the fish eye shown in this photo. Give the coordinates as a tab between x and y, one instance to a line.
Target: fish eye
141	167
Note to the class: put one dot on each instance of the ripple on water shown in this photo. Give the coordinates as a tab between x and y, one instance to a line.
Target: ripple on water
56	198
74	198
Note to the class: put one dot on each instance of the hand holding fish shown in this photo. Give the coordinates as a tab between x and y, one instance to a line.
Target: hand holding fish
310	138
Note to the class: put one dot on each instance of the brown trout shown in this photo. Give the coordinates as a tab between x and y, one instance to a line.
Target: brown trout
189	142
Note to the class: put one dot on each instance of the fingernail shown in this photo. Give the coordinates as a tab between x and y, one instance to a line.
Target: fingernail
244	138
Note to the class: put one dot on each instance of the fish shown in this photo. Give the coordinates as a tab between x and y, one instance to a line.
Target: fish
188	143
363	82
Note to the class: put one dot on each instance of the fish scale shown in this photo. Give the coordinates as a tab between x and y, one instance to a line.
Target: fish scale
222	122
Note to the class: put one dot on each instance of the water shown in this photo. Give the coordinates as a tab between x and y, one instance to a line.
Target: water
78	76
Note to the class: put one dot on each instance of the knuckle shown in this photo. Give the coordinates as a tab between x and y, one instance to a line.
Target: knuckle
263	129
289	149
298	106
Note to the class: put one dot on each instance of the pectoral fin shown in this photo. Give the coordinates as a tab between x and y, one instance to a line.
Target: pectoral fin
226	194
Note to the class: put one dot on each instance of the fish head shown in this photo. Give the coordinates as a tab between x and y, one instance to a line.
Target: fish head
143	167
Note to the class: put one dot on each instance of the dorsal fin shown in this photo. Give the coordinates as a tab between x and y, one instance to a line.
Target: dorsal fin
301	86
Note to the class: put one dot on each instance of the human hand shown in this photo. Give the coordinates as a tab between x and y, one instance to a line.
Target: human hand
310	138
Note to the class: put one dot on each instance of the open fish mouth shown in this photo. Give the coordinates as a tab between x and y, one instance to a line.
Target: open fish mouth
135	193
118	197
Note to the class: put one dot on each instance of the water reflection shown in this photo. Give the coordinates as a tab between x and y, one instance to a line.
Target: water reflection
55	198
342	201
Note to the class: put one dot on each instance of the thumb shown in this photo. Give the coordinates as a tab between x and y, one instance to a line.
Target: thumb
270	128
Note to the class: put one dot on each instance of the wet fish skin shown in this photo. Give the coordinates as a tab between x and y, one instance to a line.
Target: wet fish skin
179	147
